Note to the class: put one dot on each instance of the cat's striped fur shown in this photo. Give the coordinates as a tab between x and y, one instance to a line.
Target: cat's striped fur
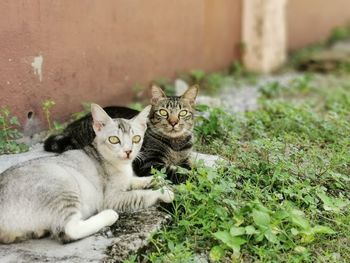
168	140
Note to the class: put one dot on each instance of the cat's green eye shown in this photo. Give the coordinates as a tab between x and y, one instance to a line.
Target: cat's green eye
136	139
183	113
113	139
163	112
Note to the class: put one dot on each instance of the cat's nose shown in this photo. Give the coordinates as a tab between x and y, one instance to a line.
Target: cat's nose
173	122
128	153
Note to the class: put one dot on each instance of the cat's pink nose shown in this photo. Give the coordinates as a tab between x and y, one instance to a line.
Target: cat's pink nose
128	153
173	120
173	123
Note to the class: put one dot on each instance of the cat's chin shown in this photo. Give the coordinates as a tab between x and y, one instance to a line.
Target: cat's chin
174	134
125	159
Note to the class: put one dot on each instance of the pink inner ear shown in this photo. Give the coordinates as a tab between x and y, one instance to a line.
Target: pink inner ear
98	126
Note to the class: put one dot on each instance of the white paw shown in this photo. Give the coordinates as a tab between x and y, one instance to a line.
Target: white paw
109	216
166	195
148	183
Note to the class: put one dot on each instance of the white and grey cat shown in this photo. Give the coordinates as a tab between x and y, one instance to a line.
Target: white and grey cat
77	193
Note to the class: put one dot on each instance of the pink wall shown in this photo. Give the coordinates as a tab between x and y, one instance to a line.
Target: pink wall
311	21
97	50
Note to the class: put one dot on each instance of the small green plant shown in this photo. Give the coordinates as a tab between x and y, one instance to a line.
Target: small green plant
86	109
9	133
339	34
54	126
241	75
208	82
197	75
166	85
271	90
296	87
136	106
57	126
213	82
46	107
236	69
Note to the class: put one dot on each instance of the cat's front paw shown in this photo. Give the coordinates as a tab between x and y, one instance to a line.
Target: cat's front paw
148	182
166	195
109	216
142	182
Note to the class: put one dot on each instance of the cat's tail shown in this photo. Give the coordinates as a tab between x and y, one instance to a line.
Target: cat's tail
59	143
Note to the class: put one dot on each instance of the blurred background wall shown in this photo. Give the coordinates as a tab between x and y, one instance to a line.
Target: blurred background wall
76	51
311	21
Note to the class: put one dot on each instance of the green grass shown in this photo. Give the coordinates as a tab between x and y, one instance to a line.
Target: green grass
9	133
283	197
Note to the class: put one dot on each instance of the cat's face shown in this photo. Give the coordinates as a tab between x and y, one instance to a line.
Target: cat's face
119	139
172	116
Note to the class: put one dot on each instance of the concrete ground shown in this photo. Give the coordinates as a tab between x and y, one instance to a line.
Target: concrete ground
127	235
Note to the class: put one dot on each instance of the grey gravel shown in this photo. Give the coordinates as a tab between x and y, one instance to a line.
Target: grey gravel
235	97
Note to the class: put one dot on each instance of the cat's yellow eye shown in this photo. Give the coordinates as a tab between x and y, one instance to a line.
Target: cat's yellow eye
183	113
136	139
113	139
163	112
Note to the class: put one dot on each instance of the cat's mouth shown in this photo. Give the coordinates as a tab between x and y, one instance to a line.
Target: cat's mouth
174	132
174	129
126	158
170	131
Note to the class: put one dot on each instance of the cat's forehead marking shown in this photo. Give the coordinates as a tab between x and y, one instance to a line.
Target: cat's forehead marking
123	125
173	102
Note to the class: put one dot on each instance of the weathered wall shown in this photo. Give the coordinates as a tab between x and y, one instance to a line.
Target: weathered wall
311	21
97	50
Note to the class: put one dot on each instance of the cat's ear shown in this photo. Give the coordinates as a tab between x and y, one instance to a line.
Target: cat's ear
191	94
157	94
142	118
100	118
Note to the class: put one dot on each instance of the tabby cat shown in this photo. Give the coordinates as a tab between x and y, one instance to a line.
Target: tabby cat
168	139
75	194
